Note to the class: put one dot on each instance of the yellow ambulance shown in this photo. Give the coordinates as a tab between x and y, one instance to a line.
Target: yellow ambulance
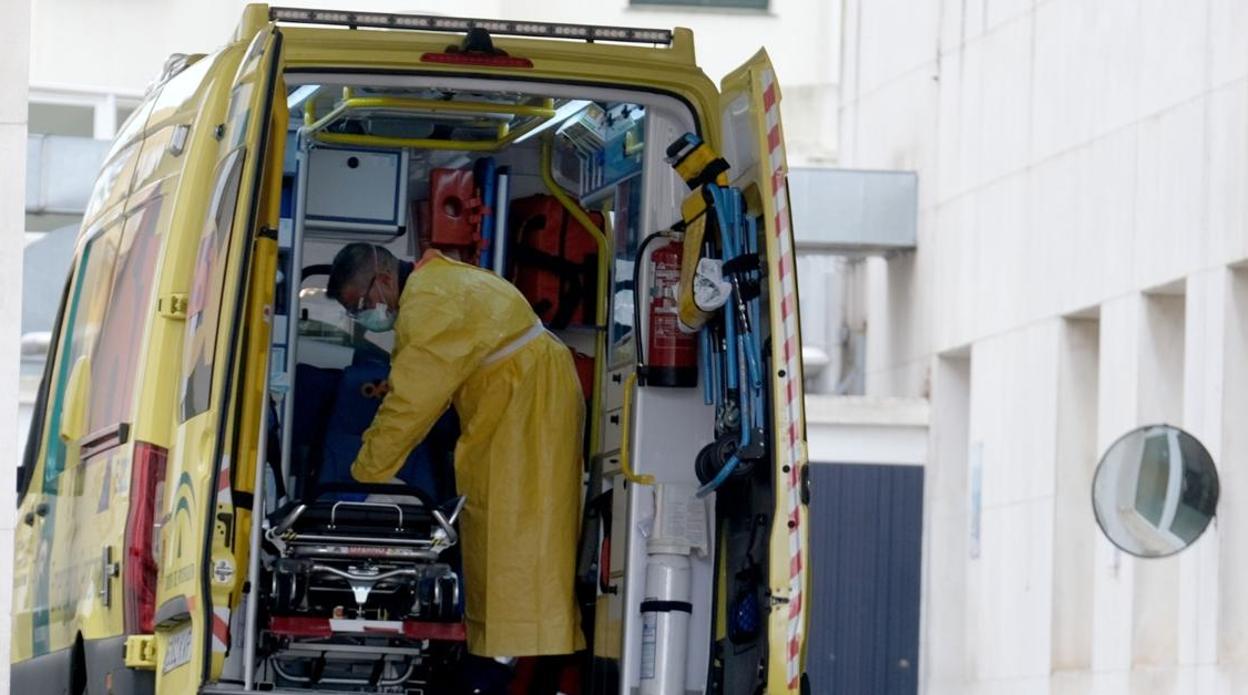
187	522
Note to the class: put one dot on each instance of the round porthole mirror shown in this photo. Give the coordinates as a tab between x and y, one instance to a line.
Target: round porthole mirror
1155	491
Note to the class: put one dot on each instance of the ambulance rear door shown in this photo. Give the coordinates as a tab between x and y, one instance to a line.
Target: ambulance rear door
221	392
753	143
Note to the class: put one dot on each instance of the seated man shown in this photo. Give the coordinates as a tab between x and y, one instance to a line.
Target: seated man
467	337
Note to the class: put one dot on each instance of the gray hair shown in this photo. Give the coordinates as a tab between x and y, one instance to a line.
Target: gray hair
354	263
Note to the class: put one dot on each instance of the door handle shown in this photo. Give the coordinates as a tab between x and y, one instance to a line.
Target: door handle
108	570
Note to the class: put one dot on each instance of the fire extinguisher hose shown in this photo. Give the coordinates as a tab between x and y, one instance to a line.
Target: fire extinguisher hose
637	301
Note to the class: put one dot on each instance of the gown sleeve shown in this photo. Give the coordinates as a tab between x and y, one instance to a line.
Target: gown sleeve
440	347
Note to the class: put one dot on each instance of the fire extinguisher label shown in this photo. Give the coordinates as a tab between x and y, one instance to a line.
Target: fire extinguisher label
669	346
666	329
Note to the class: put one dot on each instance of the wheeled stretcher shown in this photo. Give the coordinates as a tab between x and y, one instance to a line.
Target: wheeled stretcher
345	578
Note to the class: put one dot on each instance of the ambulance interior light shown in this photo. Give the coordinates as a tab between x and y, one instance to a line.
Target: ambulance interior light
562	114
301	94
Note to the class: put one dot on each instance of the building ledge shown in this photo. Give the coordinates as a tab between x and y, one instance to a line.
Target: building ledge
867	410
867	430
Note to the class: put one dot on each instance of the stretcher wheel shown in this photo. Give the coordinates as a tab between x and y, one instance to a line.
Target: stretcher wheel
448	608
714	456
286	591
438	598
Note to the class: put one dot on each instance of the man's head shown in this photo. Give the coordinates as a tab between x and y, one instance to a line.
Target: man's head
364	279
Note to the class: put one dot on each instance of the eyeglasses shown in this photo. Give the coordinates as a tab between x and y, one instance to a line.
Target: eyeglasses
359	305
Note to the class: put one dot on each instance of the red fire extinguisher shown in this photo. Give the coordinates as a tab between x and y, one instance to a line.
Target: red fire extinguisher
671	354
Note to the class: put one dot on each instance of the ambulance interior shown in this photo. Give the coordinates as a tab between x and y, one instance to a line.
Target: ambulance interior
554	188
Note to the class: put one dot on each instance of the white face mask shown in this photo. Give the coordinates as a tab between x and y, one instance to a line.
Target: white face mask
378	318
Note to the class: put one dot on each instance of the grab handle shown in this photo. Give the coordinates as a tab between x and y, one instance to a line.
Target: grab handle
333	512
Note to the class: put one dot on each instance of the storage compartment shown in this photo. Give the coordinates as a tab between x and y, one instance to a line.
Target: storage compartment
356	190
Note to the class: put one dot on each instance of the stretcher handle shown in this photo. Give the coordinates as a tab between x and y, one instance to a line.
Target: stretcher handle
333	512
288	521
448	522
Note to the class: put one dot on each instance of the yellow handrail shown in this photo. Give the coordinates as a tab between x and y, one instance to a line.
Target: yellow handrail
314	126
545	111
356	140
626	464
600	307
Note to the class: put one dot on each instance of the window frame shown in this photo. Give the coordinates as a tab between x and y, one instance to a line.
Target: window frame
106	106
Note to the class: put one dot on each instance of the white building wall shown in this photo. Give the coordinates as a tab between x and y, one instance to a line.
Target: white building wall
14	47
1083	217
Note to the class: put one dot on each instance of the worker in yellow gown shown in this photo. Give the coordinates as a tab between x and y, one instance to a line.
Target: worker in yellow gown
465	336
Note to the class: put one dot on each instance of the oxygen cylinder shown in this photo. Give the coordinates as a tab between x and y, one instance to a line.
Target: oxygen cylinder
665	614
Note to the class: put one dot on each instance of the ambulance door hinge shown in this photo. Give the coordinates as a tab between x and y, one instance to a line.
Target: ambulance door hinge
140	652
173	306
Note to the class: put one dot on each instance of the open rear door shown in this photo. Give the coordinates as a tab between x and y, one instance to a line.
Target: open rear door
753	143
222	381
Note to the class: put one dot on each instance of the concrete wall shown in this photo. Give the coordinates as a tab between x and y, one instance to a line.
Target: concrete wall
14	48
1083	214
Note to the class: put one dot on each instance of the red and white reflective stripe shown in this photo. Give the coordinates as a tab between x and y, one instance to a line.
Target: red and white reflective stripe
224	495
221	614
220	629
791	409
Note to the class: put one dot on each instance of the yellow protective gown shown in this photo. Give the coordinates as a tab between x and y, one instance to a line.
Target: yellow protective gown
518	459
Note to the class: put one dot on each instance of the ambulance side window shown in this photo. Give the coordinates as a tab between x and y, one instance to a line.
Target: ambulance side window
34	437
127	306
112	184
84	316
207	287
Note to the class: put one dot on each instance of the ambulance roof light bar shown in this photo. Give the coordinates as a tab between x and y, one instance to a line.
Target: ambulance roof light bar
386	20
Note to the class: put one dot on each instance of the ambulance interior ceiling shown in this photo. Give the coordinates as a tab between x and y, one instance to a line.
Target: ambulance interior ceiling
597	138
